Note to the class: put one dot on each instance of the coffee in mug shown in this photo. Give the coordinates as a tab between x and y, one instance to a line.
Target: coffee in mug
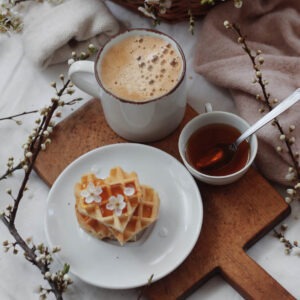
139	76
140	68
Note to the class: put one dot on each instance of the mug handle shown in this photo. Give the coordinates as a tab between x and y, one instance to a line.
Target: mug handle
82	75
208	107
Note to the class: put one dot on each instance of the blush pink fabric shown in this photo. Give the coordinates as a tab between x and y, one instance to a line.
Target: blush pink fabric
272	26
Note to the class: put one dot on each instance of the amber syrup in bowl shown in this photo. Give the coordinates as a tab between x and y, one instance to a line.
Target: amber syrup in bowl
209	137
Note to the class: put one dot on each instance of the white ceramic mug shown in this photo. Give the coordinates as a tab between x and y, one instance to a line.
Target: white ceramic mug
135	121
214	117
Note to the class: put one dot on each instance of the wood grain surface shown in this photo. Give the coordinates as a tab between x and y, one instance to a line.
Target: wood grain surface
235	216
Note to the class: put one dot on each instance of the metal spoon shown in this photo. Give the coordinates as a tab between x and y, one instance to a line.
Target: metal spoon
224	153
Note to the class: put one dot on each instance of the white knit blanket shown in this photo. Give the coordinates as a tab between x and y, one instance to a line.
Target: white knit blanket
51	32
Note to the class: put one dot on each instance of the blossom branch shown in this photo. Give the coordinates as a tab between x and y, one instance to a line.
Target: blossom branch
10	19
39	256
14	2
18	115
30	254
11	169
293	174
154	8
289	246
12	117
257	60
37	142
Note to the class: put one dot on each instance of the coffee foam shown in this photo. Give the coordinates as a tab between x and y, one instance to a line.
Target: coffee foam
141	68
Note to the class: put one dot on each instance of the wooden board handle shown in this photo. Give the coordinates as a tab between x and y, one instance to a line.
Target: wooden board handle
250	280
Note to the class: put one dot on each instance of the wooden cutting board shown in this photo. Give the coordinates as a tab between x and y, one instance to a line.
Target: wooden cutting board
235	216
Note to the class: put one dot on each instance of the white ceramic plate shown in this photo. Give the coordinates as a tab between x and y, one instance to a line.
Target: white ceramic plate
161	248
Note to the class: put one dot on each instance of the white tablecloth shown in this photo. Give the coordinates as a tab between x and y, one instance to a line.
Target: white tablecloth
24	87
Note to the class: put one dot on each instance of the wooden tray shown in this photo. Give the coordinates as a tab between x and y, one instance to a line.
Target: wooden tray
235	216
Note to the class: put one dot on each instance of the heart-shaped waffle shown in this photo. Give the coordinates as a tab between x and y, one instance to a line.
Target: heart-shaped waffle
93	226
145	214
111	201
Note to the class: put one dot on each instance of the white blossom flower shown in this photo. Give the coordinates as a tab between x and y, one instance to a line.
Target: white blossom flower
116	204
291	192
282	137
92	193
129	191
288	200
91	47
279	149
46	133
292	127
67	278
238	3
261	60
146	12
71	61
227	24
297	186
28	154
55	99
292	140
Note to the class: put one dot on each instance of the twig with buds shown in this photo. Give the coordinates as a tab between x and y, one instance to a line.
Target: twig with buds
40	256
19	122
288	245
266	99
293	174
10	19
154	8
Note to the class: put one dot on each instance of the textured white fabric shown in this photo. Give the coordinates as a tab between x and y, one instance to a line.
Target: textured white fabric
52	32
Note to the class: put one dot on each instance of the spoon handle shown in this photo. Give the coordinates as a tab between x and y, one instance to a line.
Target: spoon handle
280	108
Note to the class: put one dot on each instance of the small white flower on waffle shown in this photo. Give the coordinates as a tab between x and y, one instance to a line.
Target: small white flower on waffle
92	193
129	191
116	204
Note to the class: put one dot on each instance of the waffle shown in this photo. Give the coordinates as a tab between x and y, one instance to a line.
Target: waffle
145	214
115	184
93	226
